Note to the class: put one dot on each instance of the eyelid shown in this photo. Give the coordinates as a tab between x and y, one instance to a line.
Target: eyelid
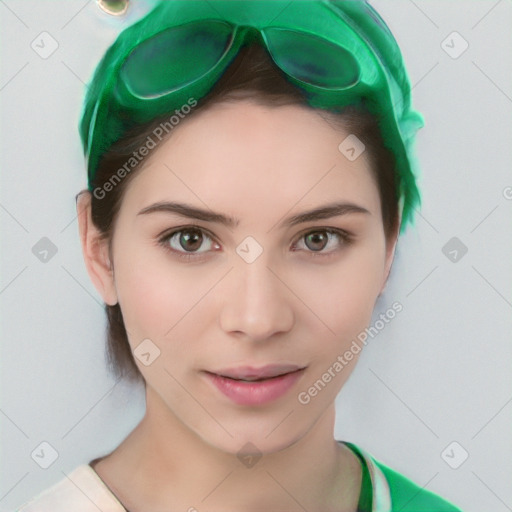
176	229
329	229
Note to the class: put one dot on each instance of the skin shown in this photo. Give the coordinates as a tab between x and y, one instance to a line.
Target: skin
259	165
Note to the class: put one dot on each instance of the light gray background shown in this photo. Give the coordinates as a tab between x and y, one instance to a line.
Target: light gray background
439	372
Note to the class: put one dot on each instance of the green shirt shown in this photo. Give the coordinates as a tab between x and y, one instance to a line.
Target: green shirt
385	490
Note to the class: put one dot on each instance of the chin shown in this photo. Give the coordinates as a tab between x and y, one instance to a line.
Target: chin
259	439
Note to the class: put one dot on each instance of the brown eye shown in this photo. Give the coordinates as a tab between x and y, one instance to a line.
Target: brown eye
188	241
316	240
323	242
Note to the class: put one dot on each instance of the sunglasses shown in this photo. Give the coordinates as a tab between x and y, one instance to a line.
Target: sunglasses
199	52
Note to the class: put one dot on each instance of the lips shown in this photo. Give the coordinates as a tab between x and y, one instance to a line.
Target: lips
252	386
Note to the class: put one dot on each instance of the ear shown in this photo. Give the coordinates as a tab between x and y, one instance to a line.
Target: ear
391	242
95	251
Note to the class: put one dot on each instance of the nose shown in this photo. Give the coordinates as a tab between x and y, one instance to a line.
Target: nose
256	304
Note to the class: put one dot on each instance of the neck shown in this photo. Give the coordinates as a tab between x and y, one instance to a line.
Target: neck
163	465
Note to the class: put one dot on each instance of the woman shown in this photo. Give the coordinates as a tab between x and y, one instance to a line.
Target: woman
250	169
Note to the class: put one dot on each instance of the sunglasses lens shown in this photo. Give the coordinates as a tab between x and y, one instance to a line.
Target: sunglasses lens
312	60
175	58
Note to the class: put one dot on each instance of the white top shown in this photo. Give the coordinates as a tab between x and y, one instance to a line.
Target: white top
83	490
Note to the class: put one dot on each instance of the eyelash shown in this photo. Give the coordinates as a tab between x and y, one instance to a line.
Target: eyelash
346	239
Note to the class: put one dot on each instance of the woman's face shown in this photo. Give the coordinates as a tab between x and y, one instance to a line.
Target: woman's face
251	289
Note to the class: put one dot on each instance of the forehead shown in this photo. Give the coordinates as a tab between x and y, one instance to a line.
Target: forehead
248	158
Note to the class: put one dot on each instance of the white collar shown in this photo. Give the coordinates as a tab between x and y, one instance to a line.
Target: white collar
381	494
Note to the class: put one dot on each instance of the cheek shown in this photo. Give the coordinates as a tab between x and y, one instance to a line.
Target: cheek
158	296
343	295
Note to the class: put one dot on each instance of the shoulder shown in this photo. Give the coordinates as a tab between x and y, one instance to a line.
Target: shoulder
407	496
81	491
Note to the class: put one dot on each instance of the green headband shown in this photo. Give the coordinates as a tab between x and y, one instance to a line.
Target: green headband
338	52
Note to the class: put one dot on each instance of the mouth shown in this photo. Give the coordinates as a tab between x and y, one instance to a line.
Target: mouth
251	374
255	386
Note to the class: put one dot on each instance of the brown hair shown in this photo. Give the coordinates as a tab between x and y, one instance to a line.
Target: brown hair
252	75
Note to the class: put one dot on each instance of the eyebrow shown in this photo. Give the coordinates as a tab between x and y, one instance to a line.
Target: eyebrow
192	212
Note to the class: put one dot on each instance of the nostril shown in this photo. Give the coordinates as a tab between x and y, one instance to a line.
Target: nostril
114	7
